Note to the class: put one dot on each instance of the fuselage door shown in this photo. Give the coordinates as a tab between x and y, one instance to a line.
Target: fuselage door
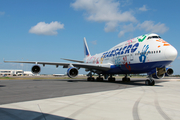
131	57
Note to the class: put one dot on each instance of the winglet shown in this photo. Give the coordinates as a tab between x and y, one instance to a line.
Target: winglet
86	49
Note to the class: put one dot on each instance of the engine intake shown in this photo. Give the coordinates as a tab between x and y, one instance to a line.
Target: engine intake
72	72
36	69
169	71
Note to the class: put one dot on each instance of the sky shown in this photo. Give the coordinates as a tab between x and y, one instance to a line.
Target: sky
44	30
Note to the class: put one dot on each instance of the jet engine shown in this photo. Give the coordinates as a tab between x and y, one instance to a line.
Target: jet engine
72	72
36	69
158	73
169	71
157	76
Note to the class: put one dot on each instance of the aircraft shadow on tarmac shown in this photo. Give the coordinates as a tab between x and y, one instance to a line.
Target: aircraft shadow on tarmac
134	82
15	114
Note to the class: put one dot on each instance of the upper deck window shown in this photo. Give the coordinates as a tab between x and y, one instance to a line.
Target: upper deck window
150	37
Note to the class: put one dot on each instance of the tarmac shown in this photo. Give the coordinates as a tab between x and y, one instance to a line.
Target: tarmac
84	100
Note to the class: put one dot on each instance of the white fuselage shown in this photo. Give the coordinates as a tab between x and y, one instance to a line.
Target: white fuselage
143	51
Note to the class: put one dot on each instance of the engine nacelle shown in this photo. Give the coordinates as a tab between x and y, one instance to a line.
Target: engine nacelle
72	72
169	71
158	73
36	69
156	76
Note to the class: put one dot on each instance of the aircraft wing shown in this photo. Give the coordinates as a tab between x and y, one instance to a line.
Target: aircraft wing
73	60
102	67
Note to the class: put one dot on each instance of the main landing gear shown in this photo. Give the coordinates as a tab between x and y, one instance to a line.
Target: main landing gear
150	81
126	79
111	79
99	78
90	78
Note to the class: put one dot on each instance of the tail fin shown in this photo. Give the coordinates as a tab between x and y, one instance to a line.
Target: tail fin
86	49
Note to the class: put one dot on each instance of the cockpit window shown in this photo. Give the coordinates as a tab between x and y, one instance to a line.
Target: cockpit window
150	37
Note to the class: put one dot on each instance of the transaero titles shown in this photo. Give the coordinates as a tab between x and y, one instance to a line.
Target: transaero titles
120	51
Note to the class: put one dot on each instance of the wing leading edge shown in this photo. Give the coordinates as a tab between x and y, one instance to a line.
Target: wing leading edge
102	67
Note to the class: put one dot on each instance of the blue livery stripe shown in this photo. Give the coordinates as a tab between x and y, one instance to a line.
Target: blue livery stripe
137	68
86	50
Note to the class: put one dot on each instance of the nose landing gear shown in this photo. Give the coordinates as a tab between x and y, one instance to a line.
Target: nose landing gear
150	81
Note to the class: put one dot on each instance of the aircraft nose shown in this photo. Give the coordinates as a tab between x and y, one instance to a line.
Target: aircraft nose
171	53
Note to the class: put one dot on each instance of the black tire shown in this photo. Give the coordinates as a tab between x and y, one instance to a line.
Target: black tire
99	79
90	79
152	83
147	82
128	80
123	79
113	79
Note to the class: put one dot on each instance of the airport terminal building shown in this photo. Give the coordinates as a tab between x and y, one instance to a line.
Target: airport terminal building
9	72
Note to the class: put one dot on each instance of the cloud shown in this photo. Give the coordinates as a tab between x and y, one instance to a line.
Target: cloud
2	13
94	42
110	12
104	11
126	28
149	26
143	8
110	26
43	28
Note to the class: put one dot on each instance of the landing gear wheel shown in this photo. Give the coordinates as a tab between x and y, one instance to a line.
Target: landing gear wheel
123	79
150	82
126	79
90	79
153	83
99	79
111	79
147	82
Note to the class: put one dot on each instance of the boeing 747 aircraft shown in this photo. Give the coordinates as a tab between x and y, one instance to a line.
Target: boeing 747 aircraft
144	54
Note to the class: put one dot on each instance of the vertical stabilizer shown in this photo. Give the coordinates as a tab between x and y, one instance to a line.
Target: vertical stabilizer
86	49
